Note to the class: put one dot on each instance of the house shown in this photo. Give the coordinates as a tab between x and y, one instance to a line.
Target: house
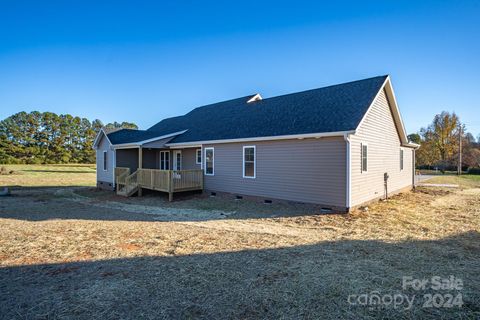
339	146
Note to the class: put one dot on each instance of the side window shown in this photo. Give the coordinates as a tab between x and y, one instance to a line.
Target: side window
401	159
249	158
209	161
364	157
199	156
104	160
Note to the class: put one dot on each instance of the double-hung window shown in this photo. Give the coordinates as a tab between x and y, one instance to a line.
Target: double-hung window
164	160
249	158
199	156
401	159
104	160
364	156
209	161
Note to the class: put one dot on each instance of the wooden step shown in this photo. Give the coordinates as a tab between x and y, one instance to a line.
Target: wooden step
128	190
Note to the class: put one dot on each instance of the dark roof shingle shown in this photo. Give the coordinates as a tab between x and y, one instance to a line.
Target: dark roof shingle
330	109
130	135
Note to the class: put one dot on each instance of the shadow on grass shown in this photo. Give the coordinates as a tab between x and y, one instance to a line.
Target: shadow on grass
46	203
312	281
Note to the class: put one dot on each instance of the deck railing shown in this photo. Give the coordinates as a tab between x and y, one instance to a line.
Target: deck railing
162	180
120	174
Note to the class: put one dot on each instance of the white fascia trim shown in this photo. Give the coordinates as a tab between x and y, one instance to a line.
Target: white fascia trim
387	85
411	145
97	138
140	143
285	137
198	146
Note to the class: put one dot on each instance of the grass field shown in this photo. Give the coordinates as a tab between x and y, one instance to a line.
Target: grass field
71	252
465	180
49	175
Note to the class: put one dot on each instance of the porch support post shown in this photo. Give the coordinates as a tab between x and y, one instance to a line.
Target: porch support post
170	185
140	163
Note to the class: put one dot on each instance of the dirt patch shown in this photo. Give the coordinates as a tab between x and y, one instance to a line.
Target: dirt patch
160	213
65	256
433	191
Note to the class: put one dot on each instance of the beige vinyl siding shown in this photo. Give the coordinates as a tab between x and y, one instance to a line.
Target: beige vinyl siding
308	170
102	175
378	131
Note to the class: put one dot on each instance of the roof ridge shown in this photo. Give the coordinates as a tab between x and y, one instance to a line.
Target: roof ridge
329	86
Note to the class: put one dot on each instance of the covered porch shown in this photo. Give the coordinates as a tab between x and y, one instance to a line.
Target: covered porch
159	169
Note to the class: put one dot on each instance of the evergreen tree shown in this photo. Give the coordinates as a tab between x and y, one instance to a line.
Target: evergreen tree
46	137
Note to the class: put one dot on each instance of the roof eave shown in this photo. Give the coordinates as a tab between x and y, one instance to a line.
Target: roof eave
411	145
137	144
387	85
97	139
268	138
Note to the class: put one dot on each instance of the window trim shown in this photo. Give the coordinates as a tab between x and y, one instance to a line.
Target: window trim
213	161
105	163
196	157
361	157
402	163
165	161
254	162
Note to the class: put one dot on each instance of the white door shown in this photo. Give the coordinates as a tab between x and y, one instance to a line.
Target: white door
177	160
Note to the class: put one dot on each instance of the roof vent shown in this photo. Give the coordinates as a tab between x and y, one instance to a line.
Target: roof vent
256	97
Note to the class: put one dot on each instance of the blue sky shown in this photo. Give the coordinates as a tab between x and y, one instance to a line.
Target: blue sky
144	61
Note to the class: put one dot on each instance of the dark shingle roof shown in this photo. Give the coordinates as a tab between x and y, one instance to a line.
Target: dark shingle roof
330	109
130	135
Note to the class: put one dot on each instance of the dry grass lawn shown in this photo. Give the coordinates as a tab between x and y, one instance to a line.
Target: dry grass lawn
49	175
80	253
465	181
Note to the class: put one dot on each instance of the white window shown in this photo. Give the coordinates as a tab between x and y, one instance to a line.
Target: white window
177	160
209	161
249	158
401	159
199	156
104	160
164	160
364	156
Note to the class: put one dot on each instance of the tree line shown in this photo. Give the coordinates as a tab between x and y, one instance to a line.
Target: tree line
440	145
47	138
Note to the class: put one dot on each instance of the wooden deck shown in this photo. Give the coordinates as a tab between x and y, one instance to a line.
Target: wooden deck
169	181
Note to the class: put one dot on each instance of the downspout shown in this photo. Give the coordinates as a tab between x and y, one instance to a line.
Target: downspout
346	137
413	169
114	165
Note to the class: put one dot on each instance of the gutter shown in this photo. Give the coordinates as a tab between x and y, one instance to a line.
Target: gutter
268	138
